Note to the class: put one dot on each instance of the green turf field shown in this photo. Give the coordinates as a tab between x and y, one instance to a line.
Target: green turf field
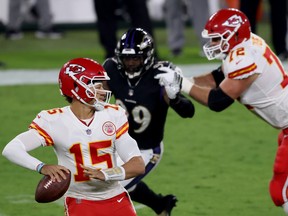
218	164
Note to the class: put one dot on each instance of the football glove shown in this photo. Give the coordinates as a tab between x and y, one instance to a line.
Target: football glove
171	80
168	73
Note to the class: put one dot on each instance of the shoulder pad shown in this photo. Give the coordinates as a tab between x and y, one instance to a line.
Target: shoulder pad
51	114
109	61
241	65
115	110
163	64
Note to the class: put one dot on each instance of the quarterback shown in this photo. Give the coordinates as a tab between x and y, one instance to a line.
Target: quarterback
250	73
86	136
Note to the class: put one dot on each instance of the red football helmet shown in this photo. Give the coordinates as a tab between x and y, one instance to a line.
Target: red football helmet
226	28
80	78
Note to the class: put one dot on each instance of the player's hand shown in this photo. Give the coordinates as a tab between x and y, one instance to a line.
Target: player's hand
93	173
54	171
168	73
171	80
173	88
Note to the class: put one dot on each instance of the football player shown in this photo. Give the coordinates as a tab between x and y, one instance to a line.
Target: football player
87	136
252	74
146	97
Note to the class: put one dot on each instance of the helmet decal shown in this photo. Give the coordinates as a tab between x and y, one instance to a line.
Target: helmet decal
74	69
145	43
233	21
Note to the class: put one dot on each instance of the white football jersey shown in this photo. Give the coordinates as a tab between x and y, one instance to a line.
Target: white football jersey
93	145
268	94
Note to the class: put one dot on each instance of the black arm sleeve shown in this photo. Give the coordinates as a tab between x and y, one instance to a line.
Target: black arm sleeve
218	75
182	106
218	100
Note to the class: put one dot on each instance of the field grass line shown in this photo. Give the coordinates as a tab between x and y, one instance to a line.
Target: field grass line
22	77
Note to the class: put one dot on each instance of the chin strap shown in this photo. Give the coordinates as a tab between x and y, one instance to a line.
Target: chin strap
98	105
135	74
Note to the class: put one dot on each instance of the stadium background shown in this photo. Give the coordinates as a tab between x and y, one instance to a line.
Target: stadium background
218	164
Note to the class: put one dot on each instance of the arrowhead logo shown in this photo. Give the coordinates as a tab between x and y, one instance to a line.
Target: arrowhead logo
233	21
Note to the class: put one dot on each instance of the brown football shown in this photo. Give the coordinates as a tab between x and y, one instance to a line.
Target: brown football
49	191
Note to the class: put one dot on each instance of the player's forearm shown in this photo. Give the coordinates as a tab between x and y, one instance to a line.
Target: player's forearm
200	94
182	106
134	167
15	152
206	80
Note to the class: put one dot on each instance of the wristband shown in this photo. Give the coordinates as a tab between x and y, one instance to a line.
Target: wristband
39	167
187	85
116	174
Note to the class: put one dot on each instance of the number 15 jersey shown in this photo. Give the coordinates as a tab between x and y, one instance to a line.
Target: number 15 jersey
95	145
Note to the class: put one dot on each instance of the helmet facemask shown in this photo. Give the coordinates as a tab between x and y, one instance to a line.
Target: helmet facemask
91	90
132	65
217	50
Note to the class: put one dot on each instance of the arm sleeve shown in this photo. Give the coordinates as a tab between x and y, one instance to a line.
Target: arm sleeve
17	149
218	75
127	147
183	106
218	100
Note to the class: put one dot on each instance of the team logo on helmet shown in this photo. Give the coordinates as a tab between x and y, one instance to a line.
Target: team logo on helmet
233	21
73	69
145	43
109	128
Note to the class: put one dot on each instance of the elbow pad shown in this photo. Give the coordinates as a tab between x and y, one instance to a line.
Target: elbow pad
182	106
218	100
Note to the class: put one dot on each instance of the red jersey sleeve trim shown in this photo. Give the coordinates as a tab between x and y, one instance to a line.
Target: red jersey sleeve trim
111	106
123	129
43	133
249	107
242	71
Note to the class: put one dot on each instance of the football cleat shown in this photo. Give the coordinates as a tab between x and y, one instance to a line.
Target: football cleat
169	203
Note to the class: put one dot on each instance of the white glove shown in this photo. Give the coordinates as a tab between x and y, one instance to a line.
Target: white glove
168	74
171	80
172	88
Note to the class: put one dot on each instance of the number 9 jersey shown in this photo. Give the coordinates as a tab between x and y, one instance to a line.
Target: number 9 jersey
143	100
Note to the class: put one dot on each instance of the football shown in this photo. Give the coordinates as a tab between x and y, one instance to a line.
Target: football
49	191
